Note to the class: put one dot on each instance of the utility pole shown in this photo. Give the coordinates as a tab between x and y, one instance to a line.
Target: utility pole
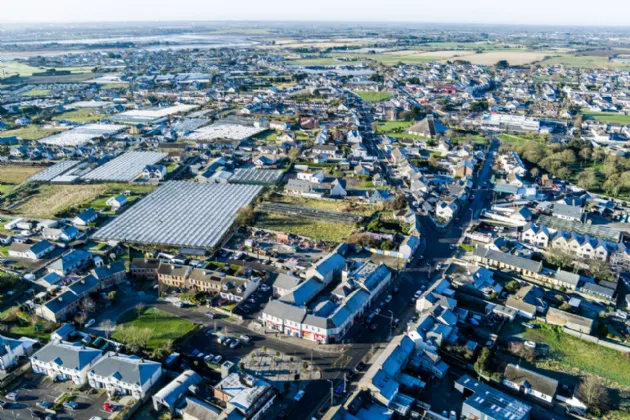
332	390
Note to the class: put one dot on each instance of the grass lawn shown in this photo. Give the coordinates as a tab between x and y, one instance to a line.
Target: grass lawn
37	92
372	96
267	135
31	132
15	67
339	206
315	229
510	138
53	199
585	61
164	326
16	174
571	355
84	115
608	117
388	126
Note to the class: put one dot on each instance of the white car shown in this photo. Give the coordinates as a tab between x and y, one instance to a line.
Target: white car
388	299
438	266
377	311
264	288
299	395
530	344
235	343
452	246
90	323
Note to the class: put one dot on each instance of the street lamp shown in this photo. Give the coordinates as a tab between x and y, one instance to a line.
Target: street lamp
332	390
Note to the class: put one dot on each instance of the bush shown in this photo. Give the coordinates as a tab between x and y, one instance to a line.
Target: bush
387	245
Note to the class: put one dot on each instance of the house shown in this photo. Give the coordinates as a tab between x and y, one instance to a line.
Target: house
74	260
245	396
569	320
338	188
537	235
464	168
154	172
316	178
284	284
63	362
501	260
171	393
110	275
34	251
116	202
487	403
142	268
567	212
530	383
174	275
11	350
85	218
408	246
64	304
298	187
124	375
445	209
429	127
326	268
67	234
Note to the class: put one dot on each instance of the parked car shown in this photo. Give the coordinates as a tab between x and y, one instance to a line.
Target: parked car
217	359
388	299
530	344
45	405
208	358
299	395
377	311
210	315
12	396
201	355
528	325
227	342
245	338
109	407
72	405
235	343
3	404
264	287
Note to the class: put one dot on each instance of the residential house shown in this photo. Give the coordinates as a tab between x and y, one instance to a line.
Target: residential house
11	350
124	375
530	383
142	268
63	362
30	251
116	202
85	218
74	260
245	396
484	402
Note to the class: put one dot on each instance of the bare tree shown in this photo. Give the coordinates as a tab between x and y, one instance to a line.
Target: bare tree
108	326
80	318
88	305
593	394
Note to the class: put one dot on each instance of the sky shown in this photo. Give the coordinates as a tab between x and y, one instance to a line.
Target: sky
535	12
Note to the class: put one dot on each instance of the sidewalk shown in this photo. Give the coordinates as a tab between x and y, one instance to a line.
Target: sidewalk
294	341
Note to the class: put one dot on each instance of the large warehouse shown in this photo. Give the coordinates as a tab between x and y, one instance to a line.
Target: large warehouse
181	214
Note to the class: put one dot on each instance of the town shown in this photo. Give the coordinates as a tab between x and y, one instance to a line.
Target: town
318	222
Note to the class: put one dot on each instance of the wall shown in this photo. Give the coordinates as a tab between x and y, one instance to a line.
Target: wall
596	340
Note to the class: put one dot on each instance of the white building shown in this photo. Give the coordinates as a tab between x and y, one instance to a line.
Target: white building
124	375
65	362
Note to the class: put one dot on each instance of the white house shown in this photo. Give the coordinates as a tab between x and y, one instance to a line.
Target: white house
530	383
316	178
124	375
11	350
116	202
445	210
34	251
65	362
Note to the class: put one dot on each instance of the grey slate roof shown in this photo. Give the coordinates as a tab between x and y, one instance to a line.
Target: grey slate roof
67	355
530	379
128	369
512	260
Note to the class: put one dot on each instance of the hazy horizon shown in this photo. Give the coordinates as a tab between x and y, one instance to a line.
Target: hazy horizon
492	12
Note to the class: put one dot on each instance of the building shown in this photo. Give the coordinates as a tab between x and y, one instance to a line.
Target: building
11	350
569	320
530	383
124	375
35	251
171	393
142	268
284	284
486	403
62	362
74	260
567	212
501	260
245	396
85	218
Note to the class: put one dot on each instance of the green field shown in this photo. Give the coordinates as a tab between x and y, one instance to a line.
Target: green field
388	126
31	132
510	138
37	92
165	327
373	96
585	61
569	354
84	115
608	117
325	61
315	229
11	68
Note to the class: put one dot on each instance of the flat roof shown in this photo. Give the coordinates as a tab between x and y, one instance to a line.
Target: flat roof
81	135
54	171
150	114
228	131
125	167
256	176
181	214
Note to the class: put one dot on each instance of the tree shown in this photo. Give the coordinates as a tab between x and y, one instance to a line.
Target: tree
502	64
88	305
612	185
245	216
483	361
599	269
294	153
398	203
559	257
387	245
512	287
535	172
80	318
586	153
587	179
593	394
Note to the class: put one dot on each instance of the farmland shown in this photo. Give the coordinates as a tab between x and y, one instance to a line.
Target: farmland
319	62
84	115
11	68
585	61
54	199
16	174
31	132
373	96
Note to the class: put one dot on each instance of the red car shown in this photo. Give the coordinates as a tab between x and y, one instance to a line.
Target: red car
222	302
108	407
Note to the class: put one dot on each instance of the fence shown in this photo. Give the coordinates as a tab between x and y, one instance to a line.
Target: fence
596	340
